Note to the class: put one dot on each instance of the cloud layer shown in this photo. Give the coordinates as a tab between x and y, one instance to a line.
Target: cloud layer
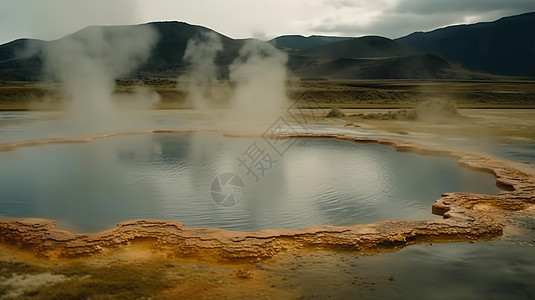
244	18
396	18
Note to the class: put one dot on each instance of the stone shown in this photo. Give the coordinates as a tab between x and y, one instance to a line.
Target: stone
244	273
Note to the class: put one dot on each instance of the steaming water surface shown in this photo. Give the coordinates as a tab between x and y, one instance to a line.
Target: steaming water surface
92	186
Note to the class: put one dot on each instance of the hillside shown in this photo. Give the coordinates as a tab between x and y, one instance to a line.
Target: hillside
17	62
299	42
166	59
22	59
504	47
371	57
362	47
428	66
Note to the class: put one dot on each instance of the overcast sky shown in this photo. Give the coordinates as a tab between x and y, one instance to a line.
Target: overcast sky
52	19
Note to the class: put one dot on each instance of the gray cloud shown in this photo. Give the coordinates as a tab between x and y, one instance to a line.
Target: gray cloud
388	25
342	4
463	6
53	19
402	17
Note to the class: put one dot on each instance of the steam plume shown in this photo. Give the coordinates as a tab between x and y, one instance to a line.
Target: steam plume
257	76
260	76
200	54
88	62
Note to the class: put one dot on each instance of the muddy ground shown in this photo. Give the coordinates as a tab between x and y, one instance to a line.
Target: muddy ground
326	93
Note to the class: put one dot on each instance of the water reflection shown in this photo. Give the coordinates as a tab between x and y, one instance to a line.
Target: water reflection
91	187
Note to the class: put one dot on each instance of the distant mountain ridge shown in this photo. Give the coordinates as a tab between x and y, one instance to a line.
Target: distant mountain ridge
427	66
362	47
502	47
299	42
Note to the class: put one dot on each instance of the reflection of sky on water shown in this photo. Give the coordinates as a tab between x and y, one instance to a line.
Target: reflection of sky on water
94	185
151	174
19	126
29	126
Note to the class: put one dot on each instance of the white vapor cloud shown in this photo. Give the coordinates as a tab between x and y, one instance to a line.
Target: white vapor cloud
88	65
202	74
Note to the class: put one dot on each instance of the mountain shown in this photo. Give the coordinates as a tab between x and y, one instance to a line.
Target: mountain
368	57
299	42
503	47
166	58
427	66
17	63
371	57
23	59
362	47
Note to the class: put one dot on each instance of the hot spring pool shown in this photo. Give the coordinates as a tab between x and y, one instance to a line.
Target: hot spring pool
90	187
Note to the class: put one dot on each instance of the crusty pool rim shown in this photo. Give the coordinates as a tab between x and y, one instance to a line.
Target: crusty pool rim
463	219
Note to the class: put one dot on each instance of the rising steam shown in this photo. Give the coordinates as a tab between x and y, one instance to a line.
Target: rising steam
89	62
257	76
260	76
201	77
